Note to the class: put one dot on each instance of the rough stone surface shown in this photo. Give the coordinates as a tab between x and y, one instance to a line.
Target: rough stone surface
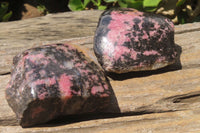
128	40
55	80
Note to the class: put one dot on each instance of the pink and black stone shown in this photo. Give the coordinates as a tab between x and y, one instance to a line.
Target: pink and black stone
55	80
128	40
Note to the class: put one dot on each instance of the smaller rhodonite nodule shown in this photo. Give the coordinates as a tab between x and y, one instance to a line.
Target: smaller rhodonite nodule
55	80
129	40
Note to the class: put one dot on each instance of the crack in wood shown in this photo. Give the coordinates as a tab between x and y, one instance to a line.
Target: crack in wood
187	31
6	73
178	98
184	97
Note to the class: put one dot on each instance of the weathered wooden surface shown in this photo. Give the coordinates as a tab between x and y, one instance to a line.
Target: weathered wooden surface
166	100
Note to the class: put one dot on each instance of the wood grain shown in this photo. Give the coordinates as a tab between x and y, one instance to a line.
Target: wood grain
165	100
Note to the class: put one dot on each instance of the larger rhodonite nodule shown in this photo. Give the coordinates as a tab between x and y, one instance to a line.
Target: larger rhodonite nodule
128	40
55	80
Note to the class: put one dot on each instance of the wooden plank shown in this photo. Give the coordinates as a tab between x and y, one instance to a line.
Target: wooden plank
177	105
165	100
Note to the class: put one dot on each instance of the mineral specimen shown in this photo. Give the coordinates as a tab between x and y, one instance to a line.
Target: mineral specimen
55	80
128	40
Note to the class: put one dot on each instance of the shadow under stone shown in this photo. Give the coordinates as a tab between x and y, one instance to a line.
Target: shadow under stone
173	67
81	118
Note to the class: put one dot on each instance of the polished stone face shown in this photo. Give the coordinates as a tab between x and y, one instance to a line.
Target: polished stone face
55	80
128	40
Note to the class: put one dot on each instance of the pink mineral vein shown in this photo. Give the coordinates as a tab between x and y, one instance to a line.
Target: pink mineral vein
145	36
118	28
119	51
29	74
118	31
106	87
42	73
51	81
42	95
151	52
156	24
161	59
84	71
78	64
170	23
34	57
65	86
134	54
96	89
39	82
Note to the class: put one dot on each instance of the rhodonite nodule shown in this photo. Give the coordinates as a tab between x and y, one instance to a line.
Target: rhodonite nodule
55	80
129	40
